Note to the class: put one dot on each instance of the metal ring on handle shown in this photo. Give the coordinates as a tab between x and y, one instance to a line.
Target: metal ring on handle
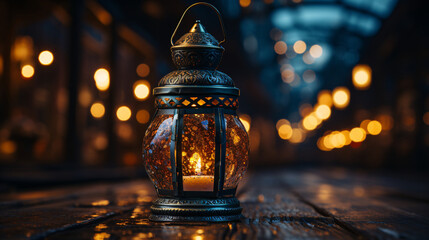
208	5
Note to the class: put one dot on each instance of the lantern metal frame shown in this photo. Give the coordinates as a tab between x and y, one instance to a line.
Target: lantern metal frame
193	82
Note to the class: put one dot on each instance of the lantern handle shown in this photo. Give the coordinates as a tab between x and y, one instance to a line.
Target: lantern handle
208	5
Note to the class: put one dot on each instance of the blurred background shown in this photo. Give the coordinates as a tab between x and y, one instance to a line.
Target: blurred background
323	83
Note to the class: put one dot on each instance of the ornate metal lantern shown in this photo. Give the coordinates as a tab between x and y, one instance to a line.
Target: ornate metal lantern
196	149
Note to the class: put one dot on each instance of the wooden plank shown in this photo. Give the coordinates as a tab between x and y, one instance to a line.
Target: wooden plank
270	212
37	218
352	209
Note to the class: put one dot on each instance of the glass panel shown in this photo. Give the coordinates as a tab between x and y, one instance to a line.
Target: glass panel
198	152
237	150
156	151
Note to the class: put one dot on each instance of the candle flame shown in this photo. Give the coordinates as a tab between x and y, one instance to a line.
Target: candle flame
196	161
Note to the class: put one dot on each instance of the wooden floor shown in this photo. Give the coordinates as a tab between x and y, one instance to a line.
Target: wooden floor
330	204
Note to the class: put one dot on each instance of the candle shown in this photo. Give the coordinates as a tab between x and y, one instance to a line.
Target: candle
197	182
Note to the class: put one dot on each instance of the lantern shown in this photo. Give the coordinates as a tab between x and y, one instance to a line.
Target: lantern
196	149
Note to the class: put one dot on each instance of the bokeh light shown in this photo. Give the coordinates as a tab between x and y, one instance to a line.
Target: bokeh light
123	113
361	75
281	122
142	116
309	76
143	70
324	98
298	136
46	58
141	89
299	46
97	110
309	122
323	111
102	79
374	127
27	71
245	3
285	131
357	134
341	97
316	51
280	47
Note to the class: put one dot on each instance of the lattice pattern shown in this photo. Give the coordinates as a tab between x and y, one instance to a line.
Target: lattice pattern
196	102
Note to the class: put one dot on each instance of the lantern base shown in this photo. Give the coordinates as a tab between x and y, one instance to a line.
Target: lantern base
195	210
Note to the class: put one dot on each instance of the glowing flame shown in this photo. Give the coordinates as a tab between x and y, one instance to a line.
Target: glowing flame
196	161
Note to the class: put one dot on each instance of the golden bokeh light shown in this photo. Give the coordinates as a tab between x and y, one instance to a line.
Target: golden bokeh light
324	98
374	127
280	47
341	97
364	123
316	51
357	134
309	123
321	144
299	46
285	131
346	135
288	75
123	113
361	75
97	110
102	79
141	89
46	58
143	70
305	109
323	111
281	122
298	136
143	116
245	3
337	139
8	147
27	71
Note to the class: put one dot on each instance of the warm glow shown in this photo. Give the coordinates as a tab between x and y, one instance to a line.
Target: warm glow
361	76
97	110
46	57
364	124
309	122
143	70
8	147
195	160
337	139
27	71
245	120
298	136
285	131
374	127
316	51
299	47
102	79
357	134
280	47
142	116
123	113
346	135
323	112
245	3
387	121
341	97
141	89
281	122
288	75
324	98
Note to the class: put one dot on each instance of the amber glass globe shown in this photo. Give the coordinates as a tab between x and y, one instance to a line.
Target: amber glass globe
198	150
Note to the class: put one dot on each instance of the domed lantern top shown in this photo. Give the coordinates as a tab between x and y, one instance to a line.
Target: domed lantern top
196	149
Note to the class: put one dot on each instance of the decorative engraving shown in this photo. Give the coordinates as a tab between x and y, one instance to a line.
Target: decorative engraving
196	102
196	58
196	77
197	39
